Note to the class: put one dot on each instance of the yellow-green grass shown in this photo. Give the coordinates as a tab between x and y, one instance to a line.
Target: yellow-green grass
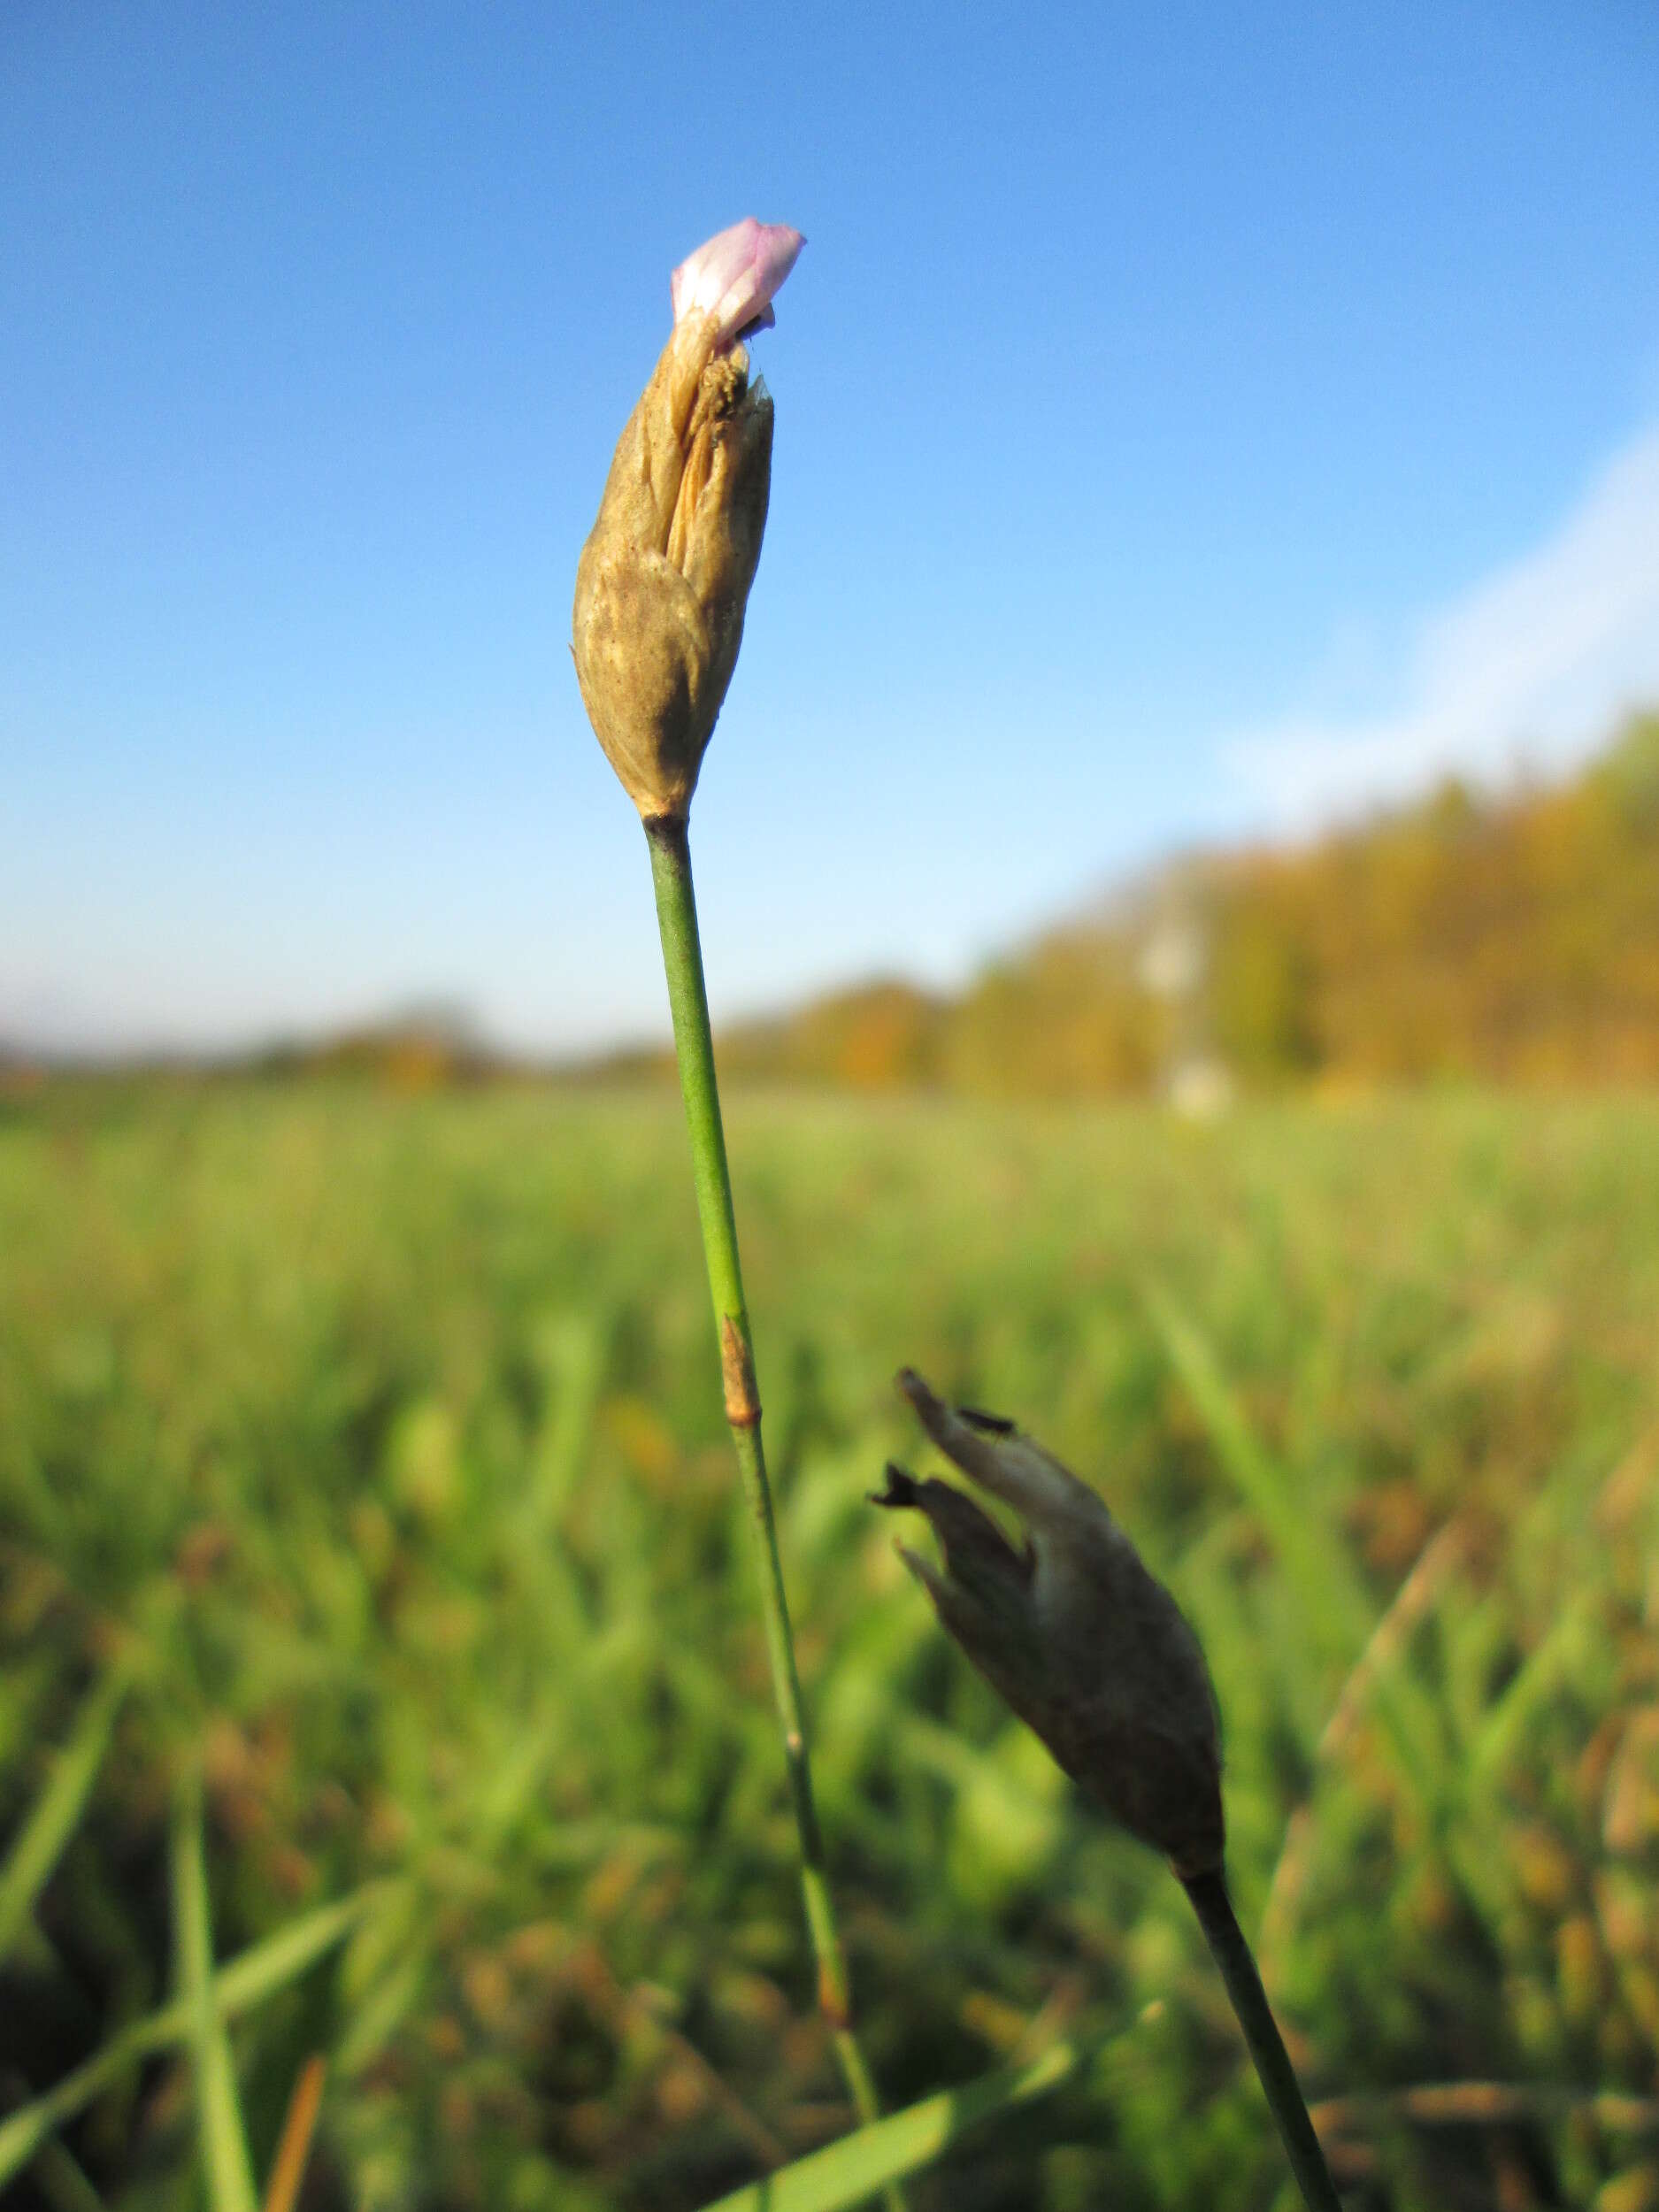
367	1452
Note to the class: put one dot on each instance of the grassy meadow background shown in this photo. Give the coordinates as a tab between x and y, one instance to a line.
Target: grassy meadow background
372	1443
1197	432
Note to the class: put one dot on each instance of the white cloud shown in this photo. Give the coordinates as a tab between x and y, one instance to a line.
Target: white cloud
1532	667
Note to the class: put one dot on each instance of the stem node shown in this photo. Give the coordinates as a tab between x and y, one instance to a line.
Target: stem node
832	2004
737	1374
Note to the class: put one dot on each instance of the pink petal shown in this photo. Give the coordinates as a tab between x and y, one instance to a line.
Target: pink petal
735	275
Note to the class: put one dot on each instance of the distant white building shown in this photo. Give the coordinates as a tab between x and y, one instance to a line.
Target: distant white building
1173	966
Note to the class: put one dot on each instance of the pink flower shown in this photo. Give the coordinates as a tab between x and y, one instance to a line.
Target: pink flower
734	276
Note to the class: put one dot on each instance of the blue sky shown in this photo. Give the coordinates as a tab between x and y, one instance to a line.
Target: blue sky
1190	423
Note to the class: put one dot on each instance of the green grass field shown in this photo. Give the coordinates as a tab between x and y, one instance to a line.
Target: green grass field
367	1452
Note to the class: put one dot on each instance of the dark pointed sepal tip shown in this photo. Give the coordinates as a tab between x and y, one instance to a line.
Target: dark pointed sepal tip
990	1424
930	1410
901	1490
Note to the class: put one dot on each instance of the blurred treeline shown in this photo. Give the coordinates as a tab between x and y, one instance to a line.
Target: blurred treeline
1509	939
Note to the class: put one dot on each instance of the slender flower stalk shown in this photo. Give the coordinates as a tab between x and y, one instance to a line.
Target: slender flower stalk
694	1044
1096	1656
661	591
1233	1955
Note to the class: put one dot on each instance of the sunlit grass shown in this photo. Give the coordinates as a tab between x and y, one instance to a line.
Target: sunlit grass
374	1448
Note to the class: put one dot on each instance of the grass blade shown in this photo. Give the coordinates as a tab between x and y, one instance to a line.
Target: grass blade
224	2139
1379	1668
259	1973
858	2165
1338	1619
1336	1610
39	1844
1536	1681
293	2146
61	2182
572	1349
1466	2104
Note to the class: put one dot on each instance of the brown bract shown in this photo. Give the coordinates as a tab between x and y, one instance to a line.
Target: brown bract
665	576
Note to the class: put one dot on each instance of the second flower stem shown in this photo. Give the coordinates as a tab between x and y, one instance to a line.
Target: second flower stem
1232	1955
693	1045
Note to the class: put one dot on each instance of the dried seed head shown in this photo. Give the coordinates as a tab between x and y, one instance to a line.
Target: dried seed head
1081	1640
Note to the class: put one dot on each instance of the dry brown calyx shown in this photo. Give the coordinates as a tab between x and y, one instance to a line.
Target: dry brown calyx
665	577
1082	1642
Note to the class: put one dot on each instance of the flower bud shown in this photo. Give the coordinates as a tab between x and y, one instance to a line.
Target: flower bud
665	577
735	275
1085	1645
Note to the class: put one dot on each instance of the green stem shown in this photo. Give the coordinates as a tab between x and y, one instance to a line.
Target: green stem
1232	1955
694	1044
